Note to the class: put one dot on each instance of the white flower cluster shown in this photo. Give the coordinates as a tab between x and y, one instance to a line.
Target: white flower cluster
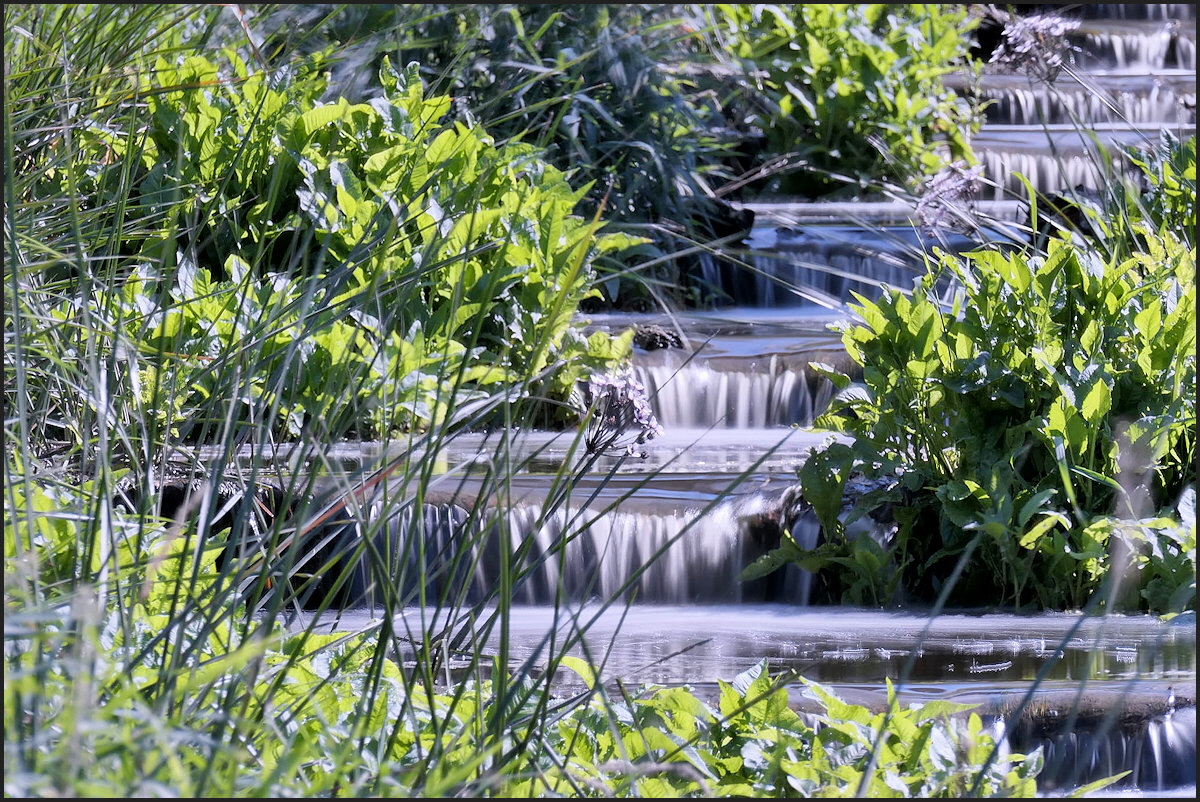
946	193
618	415
1036	43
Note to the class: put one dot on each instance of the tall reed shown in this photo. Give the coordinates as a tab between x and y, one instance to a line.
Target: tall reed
169	577
199	301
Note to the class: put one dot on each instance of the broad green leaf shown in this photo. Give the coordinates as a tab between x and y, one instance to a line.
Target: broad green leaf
1097	399
1035	533
580	667
317	118
839	380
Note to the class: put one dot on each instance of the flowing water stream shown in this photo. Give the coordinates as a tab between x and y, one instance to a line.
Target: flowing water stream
640	565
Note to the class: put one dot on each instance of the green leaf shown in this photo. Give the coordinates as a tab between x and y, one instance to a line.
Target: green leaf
1033	506
840	380
1097	400
1090	789
822	479
1035	533
317	118
580	667
608	347
1097	477
744	681
788	552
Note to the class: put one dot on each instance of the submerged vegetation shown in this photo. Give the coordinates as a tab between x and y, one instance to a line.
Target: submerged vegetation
219	234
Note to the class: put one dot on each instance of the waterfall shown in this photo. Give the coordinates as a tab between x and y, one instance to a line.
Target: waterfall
1139	11
677	546
428	557
1132	50
772	391
1047	172
1129	73
1135	99
686	556
675	554
794	266
1158	750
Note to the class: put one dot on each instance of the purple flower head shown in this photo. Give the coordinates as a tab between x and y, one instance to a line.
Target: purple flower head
954	185
617	414
1036	43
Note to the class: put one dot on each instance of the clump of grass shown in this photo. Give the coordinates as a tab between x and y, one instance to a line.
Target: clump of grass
164	299
168	276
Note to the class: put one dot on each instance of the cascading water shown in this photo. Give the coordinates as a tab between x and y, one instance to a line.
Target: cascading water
650	545
1158	47
1122	79
1137	98
670	543
790	263
694	392
691	556
1149	748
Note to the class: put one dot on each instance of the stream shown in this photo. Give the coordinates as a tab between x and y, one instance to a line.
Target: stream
647	584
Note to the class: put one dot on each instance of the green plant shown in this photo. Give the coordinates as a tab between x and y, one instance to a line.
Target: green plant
162	272
236	269
593	86
667	742
176	690
371	252
148	672
601	91
854	92
1002	429
1169	202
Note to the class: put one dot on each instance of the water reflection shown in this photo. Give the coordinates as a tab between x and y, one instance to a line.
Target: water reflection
676	644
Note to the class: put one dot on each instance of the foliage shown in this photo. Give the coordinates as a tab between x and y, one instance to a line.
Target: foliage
591	85
181	693
1033	440
853	91
597	88
351	264
669	743
637	103
203	246
153	704
1169	200
179	690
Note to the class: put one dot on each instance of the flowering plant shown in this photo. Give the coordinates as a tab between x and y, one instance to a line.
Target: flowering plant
617	414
